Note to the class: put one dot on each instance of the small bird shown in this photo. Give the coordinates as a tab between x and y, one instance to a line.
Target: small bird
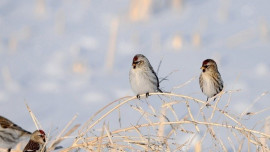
36	142
210	80
11	134
142	77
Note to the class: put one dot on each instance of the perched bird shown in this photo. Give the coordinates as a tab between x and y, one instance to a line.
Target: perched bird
142	77
210	80
36	142
11	134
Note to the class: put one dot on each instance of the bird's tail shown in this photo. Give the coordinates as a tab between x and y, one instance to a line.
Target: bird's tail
164	91
159	90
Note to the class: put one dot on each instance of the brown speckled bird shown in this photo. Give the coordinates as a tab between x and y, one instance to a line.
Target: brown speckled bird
36	142
210	80
11	134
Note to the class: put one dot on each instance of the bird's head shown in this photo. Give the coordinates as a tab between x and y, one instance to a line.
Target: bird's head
208	65
39	136
139	60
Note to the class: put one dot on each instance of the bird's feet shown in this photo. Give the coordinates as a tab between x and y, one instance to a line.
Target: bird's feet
147	94
139	97
207	104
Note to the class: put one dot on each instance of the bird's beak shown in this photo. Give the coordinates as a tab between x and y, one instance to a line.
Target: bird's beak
202	68
134	64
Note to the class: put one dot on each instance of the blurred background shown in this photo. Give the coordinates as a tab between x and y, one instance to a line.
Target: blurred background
70	57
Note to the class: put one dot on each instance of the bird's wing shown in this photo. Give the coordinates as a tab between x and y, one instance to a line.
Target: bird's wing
220	82
5	123
151	68
31	147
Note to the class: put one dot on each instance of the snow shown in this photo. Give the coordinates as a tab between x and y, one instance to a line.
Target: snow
262	70
54	59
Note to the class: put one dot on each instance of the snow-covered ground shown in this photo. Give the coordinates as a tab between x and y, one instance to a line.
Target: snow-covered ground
54	54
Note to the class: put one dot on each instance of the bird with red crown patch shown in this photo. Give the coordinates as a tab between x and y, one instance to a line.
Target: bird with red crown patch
142	77
210	79
36	142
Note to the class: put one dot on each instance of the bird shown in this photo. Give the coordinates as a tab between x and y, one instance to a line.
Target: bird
37	142
11	134
142	77
210	79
